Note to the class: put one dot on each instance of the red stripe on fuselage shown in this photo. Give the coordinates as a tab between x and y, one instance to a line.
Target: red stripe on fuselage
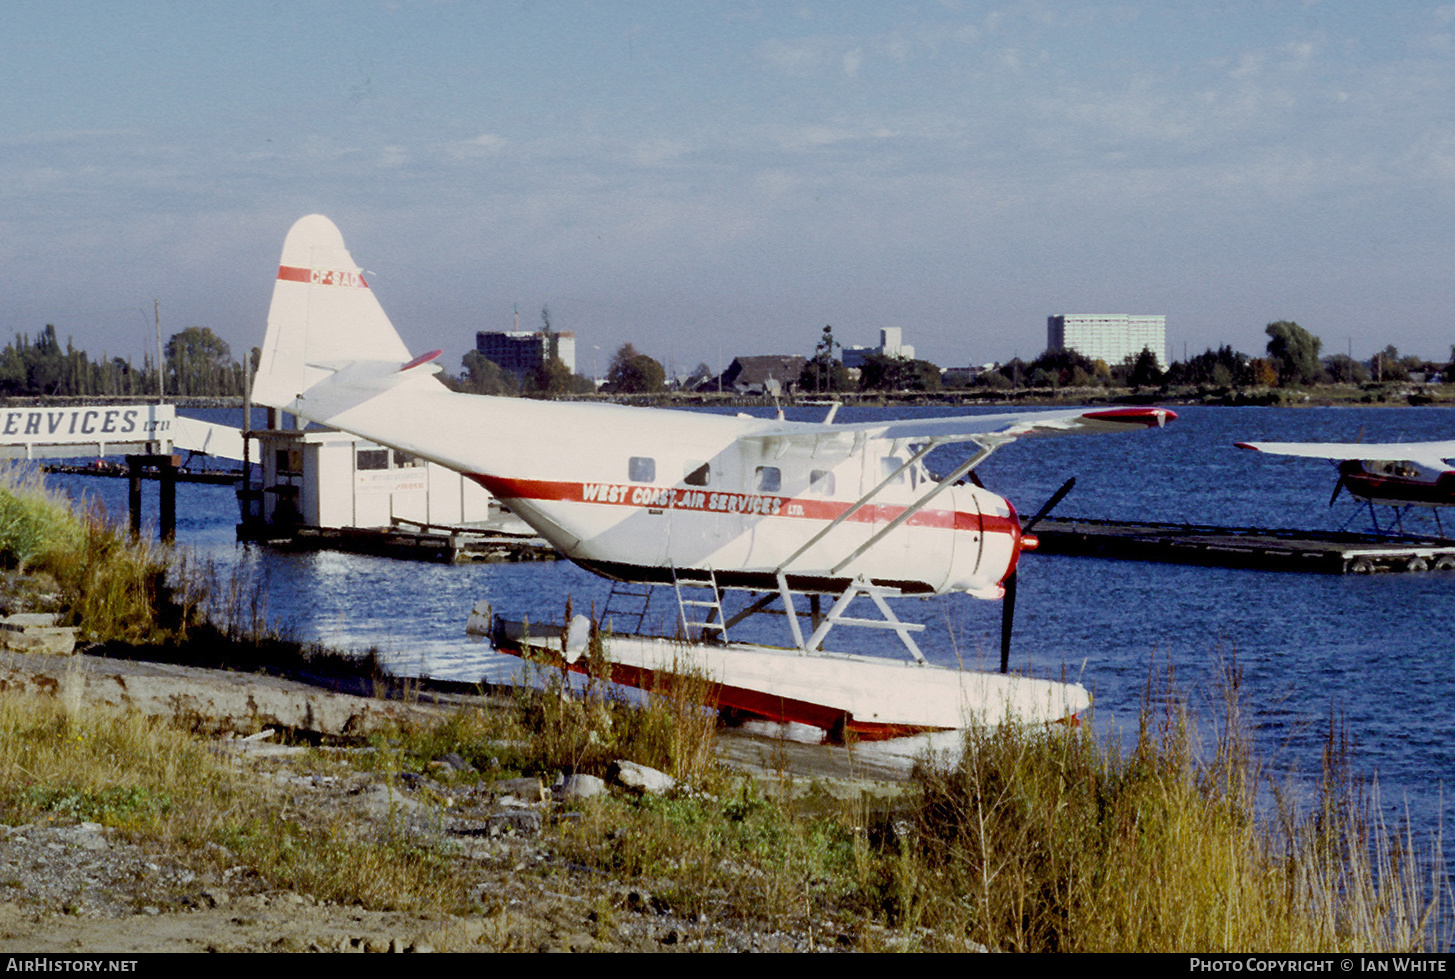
640	496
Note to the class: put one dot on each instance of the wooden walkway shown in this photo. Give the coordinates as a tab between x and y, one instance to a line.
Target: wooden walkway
1231	547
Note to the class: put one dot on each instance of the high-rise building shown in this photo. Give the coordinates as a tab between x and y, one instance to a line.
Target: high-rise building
520	351
1108	337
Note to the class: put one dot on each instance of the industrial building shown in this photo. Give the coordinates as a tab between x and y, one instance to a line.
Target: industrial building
521	351
1108	337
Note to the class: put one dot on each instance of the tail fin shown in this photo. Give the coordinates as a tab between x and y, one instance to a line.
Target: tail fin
323	316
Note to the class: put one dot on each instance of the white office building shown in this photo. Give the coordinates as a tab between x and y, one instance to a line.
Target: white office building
891	344
1108	337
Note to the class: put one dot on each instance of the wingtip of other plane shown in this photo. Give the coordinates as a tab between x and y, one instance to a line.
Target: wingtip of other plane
1150	417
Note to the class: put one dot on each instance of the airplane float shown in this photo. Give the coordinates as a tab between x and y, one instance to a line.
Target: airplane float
703	503
1399	475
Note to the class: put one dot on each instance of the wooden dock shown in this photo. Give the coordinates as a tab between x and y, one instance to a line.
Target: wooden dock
1272	550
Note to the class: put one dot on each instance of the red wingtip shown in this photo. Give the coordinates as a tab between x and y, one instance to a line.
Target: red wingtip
1245	445
421	359
1144	416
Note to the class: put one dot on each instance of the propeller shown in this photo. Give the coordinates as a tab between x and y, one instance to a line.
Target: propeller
1338	485
1007	604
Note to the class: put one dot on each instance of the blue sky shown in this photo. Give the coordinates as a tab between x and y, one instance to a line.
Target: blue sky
704	179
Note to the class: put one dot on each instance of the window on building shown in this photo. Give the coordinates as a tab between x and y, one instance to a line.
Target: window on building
371	459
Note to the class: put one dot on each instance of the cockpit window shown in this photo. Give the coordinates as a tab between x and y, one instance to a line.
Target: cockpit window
769	479
821	482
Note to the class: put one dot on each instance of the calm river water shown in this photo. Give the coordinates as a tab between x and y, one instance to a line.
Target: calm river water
1372	650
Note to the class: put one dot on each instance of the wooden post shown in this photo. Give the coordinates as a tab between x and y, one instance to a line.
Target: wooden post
167	472
133	493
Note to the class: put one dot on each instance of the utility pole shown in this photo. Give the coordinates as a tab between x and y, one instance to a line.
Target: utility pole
161	369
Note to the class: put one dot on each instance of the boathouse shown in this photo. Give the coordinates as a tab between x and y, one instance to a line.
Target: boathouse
324	478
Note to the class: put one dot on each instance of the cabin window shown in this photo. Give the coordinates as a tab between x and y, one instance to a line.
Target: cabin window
769	480
641	469
372	459
821	482
698	474
888	466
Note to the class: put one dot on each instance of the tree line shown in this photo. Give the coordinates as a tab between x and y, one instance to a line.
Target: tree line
196	362
1291	358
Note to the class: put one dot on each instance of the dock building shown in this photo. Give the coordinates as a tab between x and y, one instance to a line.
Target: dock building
1108	337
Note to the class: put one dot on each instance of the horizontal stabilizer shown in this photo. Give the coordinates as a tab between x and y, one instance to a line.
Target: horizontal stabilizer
196	435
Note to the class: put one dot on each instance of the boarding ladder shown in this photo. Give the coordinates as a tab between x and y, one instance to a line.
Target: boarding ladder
628	601
696	581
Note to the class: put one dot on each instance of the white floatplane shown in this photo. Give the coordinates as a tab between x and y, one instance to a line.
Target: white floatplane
1399	475
693	500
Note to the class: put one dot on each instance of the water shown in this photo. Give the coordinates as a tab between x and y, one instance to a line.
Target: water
1372	650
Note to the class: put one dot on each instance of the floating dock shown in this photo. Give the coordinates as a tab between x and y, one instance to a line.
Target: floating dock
418	542
117	470
1271	550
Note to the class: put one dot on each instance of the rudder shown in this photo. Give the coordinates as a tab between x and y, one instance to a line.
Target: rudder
323	315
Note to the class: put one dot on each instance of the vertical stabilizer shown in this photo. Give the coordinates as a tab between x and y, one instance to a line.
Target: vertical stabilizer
323	315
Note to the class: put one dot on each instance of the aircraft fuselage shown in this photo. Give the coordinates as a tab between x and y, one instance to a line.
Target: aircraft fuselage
632	493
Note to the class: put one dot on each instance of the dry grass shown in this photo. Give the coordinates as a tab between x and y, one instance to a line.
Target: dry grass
160	784
113	587
1054	841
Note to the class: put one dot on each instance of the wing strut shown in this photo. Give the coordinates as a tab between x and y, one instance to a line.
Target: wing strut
986	447
987	443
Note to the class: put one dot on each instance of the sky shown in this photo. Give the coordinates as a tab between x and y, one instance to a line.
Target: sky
706	179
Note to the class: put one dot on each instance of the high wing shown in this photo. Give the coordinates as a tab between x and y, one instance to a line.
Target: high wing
1431	455
987	429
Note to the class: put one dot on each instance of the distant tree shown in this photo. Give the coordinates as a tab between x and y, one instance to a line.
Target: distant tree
1261	373
992	380
1343	369
44	373
1294	353
1220	368
1063	368
1013	371
1145	372
634	373
1138	371
825	372
483	376
199	362
881	373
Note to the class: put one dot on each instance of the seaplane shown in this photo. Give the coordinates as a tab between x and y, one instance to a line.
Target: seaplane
706	505
1399	475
